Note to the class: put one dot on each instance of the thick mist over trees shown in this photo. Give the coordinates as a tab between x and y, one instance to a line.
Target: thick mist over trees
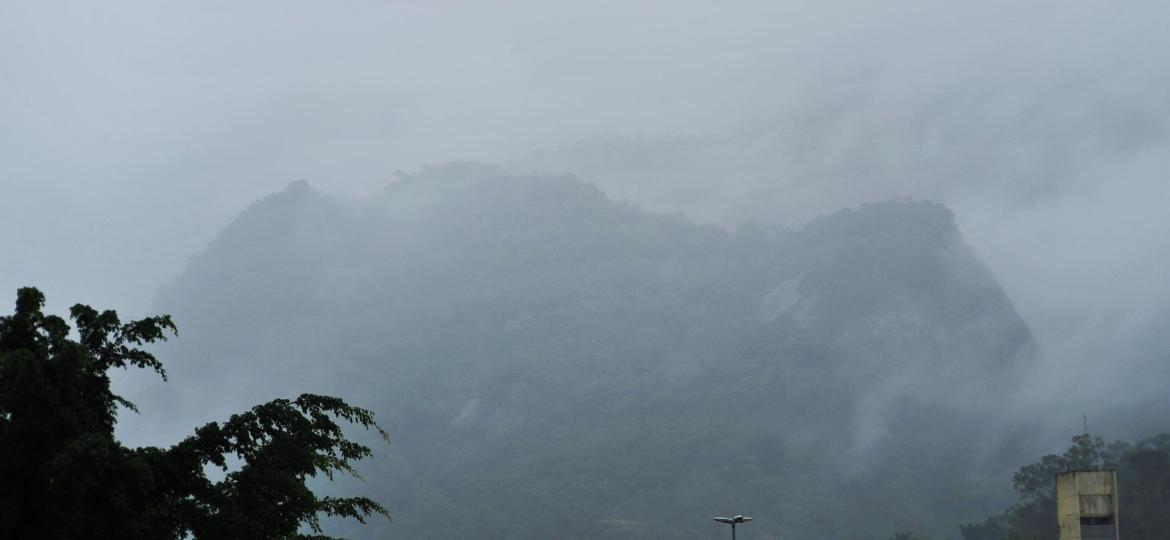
607	371
614	266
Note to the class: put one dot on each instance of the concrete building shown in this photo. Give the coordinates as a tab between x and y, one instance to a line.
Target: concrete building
1086	505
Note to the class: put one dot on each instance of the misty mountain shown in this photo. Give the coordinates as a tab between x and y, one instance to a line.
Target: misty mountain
552	363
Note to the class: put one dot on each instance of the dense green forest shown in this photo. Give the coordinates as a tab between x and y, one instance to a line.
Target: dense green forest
558	364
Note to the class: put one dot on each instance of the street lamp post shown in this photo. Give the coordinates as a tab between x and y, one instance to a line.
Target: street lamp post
733	521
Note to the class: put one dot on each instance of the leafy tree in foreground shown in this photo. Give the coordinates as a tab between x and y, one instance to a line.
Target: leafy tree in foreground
64	475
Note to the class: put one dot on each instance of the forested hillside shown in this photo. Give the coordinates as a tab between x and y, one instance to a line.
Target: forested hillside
551	363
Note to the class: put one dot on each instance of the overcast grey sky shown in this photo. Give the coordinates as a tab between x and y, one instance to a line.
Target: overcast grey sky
132	131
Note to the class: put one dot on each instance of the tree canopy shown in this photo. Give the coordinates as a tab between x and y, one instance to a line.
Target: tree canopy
1143	470
65	475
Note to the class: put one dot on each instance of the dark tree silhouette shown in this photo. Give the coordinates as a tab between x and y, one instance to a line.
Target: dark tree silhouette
64	475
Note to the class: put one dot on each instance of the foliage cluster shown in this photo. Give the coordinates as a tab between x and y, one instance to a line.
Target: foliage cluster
1143	470
64	474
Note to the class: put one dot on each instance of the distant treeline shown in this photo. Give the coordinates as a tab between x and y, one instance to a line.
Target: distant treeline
1143	470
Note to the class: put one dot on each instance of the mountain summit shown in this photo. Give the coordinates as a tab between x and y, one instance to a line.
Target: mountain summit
540	352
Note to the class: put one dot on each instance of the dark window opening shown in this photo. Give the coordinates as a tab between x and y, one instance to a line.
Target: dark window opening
1103	520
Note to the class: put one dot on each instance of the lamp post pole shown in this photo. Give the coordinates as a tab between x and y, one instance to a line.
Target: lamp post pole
733	521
